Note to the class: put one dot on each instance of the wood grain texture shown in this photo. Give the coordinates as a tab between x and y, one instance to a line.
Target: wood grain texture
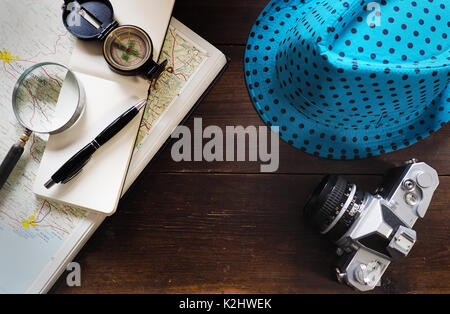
220	21
223	227
197	233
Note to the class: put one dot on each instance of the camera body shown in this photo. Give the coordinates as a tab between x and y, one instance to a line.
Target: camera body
372	230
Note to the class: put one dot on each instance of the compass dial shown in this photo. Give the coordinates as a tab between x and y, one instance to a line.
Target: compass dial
127	48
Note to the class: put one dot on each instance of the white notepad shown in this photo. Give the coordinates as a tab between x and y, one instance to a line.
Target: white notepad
98	187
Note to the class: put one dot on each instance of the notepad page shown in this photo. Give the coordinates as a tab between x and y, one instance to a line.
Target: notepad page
99	185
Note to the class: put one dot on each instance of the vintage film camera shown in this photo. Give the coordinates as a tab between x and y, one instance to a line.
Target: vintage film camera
372	230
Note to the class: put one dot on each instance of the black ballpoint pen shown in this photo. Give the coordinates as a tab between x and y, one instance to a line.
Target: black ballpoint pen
75	164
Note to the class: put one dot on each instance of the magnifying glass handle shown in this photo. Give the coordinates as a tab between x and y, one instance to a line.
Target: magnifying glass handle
13	156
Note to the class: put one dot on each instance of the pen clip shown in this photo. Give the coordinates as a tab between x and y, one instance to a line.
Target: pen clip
75	172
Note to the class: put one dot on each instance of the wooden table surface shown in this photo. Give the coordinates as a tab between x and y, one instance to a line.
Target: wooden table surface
224	227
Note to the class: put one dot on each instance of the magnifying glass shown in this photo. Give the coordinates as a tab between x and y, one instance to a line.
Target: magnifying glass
47	99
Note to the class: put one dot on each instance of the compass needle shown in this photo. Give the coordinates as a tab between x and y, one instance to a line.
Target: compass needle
114	33
128	48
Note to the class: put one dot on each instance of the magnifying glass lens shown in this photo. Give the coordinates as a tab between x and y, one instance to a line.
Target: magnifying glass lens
46	98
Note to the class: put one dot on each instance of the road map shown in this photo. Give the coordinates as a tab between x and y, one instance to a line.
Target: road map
37	95
184	59
33	229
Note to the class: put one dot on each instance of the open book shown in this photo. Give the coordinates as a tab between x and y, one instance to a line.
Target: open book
39	237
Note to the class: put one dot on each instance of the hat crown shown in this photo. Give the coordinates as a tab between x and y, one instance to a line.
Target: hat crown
338	68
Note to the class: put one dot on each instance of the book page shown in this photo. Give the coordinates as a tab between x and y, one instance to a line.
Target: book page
196	64
185	58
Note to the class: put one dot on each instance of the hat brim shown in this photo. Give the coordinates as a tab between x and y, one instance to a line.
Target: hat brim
299	130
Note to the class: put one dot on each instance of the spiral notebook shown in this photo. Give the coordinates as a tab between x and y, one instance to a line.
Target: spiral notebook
38	236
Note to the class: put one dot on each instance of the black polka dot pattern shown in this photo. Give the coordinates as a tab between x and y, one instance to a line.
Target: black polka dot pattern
341	85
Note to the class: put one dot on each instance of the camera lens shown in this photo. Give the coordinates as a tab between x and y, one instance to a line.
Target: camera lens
334	205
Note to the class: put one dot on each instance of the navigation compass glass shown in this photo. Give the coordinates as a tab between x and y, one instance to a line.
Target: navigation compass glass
127	49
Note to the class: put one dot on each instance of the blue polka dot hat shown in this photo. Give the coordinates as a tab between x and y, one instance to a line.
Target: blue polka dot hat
351	79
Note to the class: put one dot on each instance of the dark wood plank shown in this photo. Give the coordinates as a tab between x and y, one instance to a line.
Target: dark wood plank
218	21
196	233
229	104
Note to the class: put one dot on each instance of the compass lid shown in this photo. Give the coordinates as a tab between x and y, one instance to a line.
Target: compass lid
88	19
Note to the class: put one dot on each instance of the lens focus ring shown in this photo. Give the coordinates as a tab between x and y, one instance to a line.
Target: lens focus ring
334	206
321	208
348	218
